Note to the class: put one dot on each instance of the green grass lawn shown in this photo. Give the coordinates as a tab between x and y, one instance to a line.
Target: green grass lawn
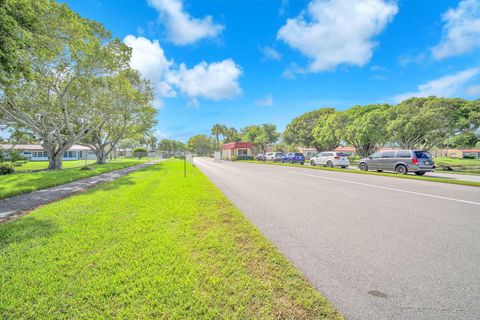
151	244
401	176
39	165
457	162
18	183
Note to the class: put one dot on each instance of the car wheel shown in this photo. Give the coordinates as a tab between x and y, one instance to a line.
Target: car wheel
330	164
401	169
379	170
420	173
344	167
363	166
312	163
302	163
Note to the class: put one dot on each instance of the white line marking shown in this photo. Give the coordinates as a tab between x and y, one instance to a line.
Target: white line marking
387	188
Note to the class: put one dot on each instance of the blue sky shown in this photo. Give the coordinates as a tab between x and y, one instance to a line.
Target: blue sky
241	62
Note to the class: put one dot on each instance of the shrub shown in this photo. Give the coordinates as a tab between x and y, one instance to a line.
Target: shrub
140	152
469	156
6	169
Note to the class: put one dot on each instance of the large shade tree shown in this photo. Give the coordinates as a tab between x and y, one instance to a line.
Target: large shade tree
300	130
201	144
57	98
364	127
127	112
328	131
422	123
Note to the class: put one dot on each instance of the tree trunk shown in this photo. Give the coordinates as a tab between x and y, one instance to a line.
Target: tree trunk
55	161
101	155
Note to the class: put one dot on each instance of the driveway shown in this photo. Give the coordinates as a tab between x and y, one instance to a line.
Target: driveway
377	247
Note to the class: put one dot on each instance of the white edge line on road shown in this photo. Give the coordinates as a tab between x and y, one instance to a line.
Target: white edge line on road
387	188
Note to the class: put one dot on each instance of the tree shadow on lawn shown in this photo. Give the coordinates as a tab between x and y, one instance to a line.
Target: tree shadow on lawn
25	229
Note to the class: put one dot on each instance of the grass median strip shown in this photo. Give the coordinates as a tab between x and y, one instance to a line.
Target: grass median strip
394	175
18	183
152	244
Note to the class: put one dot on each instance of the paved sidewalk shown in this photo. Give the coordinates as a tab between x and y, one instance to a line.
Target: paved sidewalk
18	205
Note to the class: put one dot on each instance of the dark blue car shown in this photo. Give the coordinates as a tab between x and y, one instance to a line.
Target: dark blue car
294	157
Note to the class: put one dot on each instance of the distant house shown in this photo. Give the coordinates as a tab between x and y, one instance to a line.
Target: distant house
347	150
307	152
236	150
35	152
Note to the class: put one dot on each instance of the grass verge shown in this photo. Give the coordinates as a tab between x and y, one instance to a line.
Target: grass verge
40	165
18	183
394	175
151	244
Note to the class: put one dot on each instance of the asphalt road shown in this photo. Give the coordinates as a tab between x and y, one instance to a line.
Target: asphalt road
377	247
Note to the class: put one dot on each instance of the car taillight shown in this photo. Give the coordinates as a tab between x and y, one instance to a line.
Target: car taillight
414	161
337	158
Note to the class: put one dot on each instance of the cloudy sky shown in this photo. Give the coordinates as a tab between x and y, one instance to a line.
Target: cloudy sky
241	62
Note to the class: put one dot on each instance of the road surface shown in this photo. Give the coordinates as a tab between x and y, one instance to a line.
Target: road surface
377	247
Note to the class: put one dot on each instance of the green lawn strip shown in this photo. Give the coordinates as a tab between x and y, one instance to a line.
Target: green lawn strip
423	178
19	183
151	244
40	165
451	162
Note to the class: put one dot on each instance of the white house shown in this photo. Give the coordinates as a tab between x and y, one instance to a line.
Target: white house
35	152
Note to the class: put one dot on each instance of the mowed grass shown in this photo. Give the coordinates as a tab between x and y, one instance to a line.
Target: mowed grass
152	244
394	175
19	183
40	165
457	162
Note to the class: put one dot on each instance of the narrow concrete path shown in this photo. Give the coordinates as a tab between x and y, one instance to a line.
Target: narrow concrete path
15	206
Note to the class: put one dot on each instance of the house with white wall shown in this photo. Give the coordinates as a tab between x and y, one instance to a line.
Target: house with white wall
35	152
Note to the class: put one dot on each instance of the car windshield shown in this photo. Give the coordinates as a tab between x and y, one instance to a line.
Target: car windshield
422	154
299	154
341	154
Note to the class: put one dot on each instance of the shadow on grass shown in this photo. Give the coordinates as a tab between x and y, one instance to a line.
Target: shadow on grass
25	229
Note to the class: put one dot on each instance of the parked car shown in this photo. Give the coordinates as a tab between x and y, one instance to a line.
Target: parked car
270	156
399	161
294	157
260	157
330	159
278	157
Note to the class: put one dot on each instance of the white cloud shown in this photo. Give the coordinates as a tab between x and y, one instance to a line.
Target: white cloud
334	32
474	90
183	29
266	102
270	53
149	58
213	81
461	32
446	86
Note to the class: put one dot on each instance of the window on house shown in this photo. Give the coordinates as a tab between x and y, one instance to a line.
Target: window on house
242	152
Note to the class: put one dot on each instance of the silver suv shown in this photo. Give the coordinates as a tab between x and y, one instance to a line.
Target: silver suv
399	161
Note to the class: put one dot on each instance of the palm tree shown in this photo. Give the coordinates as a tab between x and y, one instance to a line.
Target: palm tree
217	130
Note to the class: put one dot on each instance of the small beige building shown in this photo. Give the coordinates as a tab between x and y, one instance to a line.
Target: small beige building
236	150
